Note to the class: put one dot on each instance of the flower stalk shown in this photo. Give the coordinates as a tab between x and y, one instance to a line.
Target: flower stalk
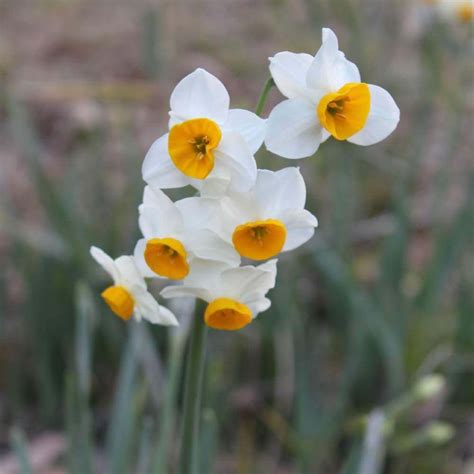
192	391
264	95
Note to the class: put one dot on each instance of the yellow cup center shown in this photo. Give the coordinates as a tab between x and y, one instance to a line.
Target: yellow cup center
259	240
120	301
344	113
167	257
465	12
227	314
191	145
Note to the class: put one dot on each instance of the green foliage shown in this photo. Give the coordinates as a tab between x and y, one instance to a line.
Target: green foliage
356	318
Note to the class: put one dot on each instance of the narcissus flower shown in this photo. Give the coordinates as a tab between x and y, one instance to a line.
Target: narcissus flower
325	97
128	296
206	140
458	10
235	295
176	233
270	218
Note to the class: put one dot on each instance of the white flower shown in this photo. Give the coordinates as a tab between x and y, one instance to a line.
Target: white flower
270	218
129	296
457	10
325	97
206	139
235	295
176	233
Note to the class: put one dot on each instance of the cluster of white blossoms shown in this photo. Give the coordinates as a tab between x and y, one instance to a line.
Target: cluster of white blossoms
240	212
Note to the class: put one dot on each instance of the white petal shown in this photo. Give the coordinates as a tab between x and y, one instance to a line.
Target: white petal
200	94
198	212
106	262
213	186
149	309
258	305
330	70
289	72
155	197
300	226
217	182
239	208
206	274
247	283
158	170
206	244
234	154
249	125
277	191
147	223
383	118
129	273
183	291
159	217
293	129
325	135
269	267
167	317
330	40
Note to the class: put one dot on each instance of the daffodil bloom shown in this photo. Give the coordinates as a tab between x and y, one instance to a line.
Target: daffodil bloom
206	140
128	296
458	10
325	98
235	295
176	233
270	218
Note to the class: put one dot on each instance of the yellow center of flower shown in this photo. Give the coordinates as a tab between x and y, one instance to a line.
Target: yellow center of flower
465	12
191	145
227	314
167	257
259	240
344	113
120	301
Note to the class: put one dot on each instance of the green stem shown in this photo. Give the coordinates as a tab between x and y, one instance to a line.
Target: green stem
168	410
192	391
263	95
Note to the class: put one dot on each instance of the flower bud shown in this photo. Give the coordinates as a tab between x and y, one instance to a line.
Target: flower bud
439	432
429	386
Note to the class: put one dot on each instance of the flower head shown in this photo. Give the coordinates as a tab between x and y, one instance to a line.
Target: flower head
457	10
176	233
235	295
325	97
128	296
270	218
206	141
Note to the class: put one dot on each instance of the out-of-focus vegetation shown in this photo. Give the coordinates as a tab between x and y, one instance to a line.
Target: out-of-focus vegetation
326	381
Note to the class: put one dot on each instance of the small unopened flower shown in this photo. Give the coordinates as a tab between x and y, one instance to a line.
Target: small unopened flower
176	233
235	295
439	432
429	386
128	296
270	218
206	140
325	98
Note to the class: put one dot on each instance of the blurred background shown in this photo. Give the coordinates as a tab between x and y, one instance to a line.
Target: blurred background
337	377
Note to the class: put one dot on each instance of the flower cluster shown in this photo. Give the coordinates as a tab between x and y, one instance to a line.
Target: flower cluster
240	212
